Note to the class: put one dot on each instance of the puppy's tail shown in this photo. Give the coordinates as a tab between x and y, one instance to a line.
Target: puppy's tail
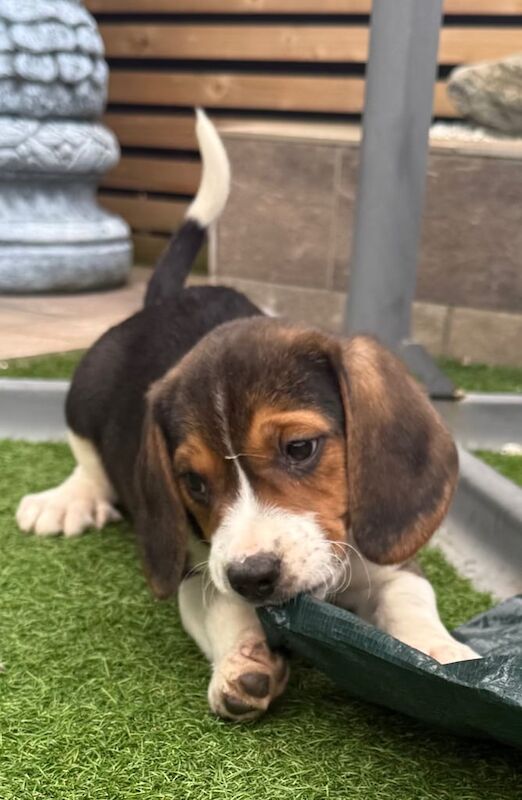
174	264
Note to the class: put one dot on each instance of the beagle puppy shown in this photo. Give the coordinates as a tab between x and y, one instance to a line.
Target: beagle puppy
257	460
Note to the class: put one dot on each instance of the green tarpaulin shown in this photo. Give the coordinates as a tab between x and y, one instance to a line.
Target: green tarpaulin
477	698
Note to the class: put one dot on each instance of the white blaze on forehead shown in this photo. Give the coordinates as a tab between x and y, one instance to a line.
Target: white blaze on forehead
250	527
221	412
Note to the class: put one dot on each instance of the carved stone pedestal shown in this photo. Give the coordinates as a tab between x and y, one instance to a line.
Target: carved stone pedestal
53	235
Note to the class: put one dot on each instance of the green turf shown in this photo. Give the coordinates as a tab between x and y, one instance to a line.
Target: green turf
481	377
53	365
103	695
510	466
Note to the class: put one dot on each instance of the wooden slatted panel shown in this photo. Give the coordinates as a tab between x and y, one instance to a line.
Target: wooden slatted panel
233	90
464	7
175	176
141	84
145	213
299	43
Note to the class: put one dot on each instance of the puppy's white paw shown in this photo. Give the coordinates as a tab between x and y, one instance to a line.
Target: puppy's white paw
449	651
77	504
246	681
440	646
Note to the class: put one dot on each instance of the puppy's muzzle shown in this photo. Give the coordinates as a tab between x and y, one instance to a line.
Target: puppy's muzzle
256	577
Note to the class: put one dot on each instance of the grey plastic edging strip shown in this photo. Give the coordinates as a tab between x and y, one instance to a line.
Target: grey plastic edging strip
482	535
484	421
32	409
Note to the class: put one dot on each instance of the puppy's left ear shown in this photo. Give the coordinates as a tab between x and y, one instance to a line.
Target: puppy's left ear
402	462
160	519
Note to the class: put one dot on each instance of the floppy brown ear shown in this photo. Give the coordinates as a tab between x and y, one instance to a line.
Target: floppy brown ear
160	518
402	462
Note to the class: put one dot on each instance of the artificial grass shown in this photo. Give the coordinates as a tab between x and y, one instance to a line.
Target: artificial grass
103	695
52	365
482	377
509	466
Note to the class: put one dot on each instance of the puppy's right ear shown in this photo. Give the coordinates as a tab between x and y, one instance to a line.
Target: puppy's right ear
160	518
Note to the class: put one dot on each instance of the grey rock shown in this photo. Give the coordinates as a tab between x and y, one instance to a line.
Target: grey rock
490	93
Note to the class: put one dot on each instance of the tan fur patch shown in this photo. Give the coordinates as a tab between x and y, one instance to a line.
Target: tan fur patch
271	425
324	491
194	455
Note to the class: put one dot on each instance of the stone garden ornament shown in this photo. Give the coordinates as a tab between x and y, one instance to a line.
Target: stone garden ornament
53	151
490	93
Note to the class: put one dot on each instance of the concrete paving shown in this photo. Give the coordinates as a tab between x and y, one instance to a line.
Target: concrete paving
52	323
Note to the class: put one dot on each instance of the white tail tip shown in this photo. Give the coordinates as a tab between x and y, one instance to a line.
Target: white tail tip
214	187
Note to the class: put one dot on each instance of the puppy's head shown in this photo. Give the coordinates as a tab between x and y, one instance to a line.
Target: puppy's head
279	445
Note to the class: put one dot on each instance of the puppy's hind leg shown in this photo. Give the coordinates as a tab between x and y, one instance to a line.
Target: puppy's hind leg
84	500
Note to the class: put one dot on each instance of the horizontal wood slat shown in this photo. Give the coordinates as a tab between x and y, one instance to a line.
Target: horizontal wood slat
464	45
237	42
465	7
148	247
176	176
153	130
483	7
240	91
145	213
224	90
307	43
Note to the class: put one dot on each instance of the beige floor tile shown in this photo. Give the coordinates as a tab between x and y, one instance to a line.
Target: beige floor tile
50	323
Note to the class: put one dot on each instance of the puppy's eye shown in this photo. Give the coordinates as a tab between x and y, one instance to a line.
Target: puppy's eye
196	486
299	451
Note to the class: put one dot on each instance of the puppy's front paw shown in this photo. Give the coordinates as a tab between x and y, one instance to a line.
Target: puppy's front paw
449	651
70	508
246	681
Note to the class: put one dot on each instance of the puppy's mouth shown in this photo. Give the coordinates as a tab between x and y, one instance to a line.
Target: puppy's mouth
288	589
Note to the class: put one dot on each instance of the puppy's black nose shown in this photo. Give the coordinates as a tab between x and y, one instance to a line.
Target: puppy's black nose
256	577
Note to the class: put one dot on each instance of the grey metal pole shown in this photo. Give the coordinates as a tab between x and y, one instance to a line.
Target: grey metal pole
392	176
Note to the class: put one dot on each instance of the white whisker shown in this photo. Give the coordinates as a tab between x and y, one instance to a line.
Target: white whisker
349	546
208	588
197	567
235	456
